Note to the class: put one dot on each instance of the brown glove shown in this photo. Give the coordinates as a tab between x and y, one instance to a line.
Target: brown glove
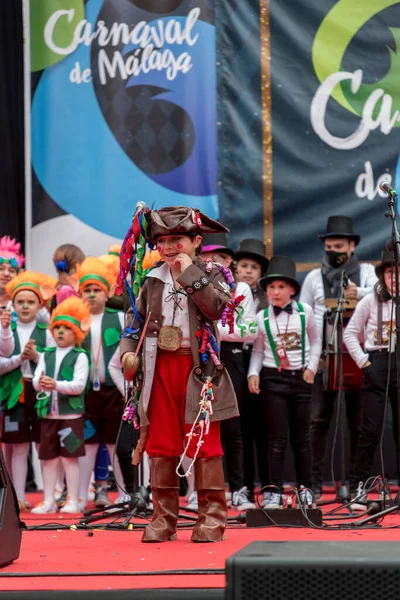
141	446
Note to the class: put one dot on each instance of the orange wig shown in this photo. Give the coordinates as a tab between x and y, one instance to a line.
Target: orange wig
94	272
74	314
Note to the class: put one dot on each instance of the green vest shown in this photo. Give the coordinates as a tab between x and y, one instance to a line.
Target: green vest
66	404
38	334
110	335
11	386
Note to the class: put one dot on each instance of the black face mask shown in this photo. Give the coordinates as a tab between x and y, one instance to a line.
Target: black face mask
336	259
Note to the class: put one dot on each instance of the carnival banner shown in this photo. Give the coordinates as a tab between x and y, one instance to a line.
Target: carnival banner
123	110
267	114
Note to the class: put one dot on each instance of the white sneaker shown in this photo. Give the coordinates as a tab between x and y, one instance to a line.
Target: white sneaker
81	504
58	494
360	498
122	498
271	500
71	508
240	499
91	494
306	497
192	502
44	508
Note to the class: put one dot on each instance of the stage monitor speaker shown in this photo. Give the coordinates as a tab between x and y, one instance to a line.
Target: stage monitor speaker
10	524
314	571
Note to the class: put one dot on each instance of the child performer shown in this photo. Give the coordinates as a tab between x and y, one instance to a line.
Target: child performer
104	400
285	359
11	261
61	377
185	387
66	259
21	425
374	316
251	265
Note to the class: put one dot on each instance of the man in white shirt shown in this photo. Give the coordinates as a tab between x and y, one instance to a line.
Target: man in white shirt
320	284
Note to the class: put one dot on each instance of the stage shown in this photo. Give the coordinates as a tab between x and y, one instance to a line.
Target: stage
62	559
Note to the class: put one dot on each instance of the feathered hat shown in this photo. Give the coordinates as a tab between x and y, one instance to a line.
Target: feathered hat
10	251
39	284
74	314
94	271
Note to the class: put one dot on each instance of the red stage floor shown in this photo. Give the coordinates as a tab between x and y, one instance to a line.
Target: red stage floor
111	560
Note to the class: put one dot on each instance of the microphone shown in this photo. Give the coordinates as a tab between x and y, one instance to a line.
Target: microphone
385	186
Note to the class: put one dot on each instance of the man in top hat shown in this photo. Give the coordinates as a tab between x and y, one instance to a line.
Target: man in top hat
319	285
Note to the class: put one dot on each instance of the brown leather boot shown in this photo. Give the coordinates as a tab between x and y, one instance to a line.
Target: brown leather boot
165	490
210	486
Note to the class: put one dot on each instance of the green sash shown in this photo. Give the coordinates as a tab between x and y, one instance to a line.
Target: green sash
303	335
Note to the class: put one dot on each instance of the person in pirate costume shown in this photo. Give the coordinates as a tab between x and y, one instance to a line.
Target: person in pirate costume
11	262
60	379
21	426
319	285
283	365
374	317
186	391
104	399
251	265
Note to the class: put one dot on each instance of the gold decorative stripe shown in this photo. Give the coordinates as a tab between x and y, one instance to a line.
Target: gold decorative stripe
266	121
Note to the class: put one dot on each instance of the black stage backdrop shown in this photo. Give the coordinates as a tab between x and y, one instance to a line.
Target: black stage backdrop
12	200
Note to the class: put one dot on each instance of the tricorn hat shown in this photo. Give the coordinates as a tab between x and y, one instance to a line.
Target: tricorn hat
281	267
216	241
387	258
255	249
181	219
340	227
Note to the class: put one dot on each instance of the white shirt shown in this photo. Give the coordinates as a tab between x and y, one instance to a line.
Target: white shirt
6	341
312	290
246	320
70	388
365	321
181	313
290	336
114	366
24	331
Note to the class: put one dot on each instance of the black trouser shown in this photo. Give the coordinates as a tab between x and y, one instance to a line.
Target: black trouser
127	440
231	433
372	412
287	402
254	432
323	405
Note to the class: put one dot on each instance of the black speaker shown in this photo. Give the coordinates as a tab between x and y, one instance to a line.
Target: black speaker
10	524
314	571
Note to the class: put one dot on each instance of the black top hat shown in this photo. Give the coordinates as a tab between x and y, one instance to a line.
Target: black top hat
387	258
216	241
255	249
340	227
281	267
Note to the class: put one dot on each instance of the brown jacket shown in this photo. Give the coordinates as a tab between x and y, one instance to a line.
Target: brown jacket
204	305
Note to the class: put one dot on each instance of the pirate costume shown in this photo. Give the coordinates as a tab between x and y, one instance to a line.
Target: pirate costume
319	285
375	318
186	391
61	409
288	343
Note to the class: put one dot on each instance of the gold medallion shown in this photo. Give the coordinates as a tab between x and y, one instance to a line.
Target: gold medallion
170	338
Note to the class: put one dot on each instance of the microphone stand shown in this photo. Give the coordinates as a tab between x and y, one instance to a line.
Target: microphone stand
392	214
343	495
